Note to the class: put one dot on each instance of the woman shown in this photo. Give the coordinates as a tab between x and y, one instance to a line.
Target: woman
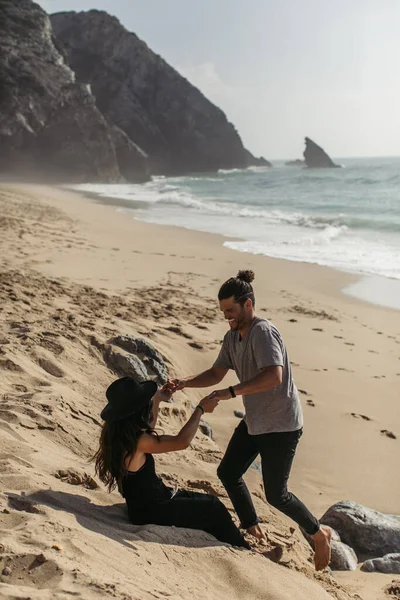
125	460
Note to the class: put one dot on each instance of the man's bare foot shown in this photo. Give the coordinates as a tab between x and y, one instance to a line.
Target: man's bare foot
258	533
322	546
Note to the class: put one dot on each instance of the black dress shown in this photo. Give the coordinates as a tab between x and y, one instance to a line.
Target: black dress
149	500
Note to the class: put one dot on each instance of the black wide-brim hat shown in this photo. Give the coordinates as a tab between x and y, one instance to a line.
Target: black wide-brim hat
126	397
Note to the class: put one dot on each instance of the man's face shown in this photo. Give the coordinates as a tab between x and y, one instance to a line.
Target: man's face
234	313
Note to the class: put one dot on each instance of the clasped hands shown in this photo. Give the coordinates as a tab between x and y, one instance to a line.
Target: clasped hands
209	402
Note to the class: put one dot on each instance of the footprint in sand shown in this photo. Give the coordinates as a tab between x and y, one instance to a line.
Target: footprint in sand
11	520
178	330
31	570
50	367
20	388
358	416
388	434
196	345
9	365
317	329
52	346
310	403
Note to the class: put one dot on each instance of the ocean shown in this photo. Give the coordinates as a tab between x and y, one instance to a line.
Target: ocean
347	218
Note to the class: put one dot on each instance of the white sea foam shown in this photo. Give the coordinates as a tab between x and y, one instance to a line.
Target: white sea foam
348	219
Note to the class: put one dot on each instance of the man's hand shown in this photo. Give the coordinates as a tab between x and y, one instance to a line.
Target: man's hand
176	384
220	394
208	404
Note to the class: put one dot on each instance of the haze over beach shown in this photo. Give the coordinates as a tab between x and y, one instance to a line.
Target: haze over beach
148	152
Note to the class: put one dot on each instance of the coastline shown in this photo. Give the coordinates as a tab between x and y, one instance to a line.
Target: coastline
372	289
344	352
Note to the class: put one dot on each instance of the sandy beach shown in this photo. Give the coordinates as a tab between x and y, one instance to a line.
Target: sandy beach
75	272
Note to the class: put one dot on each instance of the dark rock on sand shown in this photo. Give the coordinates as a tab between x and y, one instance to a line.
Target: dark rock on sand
370	533
125	365
316	157
50	126
239	414
140	358
206	428
343	557
387	564
151	102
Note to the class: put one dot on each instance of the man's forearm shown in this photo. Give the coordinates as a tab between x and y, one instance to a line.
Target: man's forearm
265	380
206	379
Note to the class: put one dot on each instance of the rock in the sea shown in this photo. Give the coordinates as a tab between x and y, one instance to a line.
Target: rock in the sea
390	563
50	127
368	532
170	119
252	161
316	157
135	357
343	557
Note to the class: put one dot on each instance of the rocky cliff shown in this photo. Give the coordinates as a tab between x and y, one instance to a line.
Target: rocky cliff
153	104
50	126
316	157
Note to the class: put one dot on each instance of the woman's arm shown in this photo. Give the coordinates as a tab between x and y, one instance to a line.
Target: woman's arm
162	394
152	444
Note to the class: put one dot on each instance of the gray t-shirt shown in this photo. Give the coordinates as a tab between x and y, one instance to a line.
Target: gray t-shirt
277	409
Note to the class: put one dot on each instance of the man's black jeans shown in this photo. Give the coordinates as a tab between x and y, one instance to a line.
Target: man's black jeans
277	452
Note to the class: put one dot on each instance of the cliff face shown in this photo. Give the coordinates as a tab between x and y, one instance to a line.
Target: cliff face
95	103
316	157
139	92
50	126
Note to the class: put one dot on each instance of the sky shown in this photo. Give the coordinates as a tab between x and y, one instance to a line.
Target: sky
282	69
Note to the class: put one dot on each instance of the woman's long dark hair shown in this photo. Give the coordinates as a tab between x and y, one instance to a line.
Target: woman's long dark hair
119	440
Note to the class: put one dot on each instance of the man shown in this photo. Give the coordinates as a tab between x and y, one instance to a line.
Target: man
273	423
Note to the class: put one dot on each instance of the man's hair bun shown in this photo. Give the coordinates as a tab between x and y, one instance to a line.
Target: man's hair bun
247	276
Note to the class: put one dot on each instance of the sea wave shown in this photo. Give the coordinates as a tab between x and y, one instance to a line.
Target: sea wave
356	256
170	194
347	219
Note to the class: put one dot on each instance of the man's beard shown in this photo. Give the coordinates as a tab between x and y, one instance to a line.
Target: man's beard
238	321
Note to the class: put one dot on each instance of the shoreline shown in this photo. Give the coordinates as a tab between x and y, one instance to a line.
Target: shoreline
368	288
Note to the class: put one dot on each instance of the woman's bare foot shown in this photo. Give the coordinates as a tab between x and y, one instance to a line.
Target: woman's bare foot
322	547
258	533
